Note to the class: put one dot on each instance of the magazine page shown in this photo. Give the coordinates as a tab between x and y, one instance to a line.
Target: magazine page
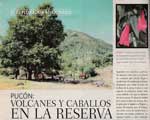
74	60
131	60
56	60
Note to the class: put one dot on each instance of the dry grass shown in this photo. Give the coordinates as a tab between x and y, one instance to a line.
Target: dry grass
7	83
10	84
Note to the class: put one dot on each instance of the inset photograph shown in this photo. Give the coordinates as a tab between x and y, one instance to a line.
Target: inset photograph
132	26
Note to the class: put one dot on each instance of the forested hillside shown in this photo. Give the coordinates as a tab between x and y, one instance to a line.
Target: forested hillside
81	51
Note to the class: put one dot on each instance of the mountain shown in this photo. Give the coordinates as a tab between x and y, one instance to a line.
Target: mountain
80	49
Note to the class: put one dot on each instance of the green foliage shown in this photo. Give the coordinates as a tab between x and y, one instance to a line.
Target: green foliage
108	58
43	55
33	39
6	71
81	50
103	61
97	61
89	70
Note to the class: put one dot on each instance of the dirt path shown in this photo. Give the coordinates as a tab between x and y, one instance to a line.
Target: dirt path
51	85
22	84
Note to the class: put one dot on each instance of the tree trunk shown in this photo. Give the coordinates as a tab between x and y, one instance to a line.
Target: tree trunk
29	71
29	76
16	71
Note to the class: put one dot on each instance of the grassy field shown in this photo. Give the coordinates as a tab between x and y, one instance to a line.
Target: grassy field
7	83
105	75
11	84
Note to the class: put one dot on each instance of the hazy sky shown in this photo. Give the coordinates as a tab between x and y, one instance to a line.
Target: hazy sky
90	16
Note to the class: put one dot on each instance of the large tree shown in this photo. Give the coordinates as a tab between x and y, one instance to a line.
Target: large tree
32	40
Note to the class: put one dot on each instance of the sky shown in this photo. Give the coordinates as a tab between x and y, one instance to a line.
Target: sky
93	17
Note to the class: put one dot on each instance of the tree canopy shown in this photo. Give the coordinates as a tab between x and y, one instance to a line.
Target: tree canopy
32	40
